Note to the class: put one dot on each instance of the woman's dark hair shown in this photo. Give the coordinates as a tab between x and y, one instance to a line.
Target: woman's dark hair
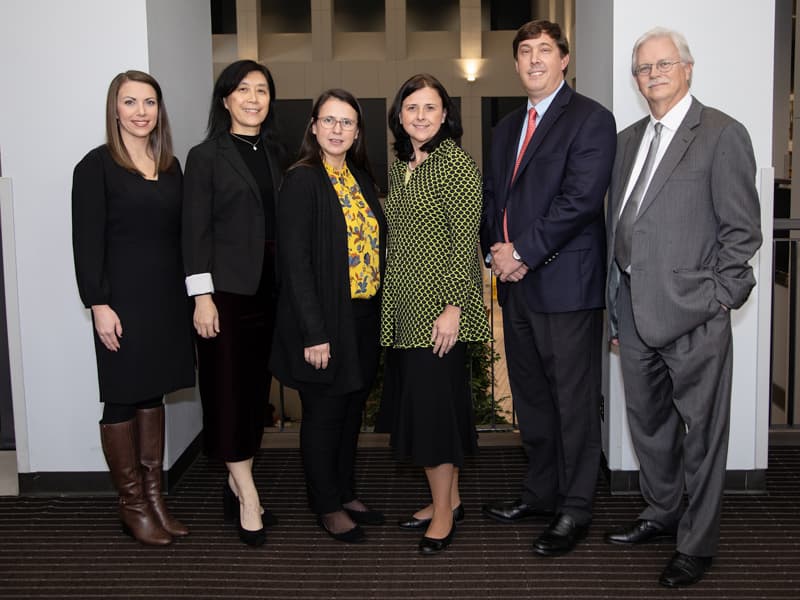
160	139
310	153
451	128
219	119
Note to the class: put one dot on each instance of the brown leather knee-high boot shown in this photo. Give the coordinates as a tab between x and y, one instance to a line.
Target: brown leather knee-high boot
150	425
138	520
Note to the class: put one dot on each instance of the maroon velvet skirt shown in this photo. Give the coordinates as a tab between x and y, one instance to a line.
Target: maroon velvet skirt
233	372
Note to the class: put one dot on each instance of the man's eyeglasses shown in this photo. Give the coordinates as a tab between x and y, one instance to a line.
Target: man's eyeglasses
330	123
662	66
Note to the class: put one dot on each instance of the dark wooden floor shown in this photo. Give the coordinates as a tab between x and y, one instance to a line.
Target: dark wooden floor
72	547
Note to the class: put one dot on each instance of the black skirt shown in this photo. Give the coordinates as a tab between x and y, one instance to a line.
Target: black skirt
427	406
233	373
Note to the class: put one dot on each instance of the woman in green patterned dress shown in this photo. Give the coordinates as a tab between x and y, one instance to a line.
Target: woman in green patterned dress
432	301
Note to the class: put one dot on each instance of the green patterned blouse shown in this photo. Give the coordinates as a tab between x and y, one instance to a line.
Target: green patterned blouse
432	249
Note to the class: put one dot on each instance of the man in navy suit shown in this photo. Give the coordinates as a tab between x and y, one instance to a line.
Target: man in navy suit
543	237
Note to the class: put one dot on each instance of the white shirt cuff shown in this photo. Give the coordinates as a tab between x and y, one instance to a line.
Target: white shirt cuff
199	283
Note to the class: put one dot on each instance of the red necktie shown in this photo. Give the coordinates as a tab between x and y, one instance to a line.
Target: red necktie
528	135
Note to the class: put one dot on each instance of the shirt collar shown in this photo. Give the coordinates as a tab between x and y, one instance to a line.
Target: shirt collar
674	117
543	104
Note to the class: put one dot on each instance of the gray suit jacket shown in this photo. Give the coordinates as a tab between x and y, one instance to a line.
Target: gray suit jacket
697	227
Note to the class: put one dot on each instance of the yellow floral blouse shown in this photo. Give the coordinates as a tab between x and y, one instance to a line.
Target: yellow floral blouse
362	234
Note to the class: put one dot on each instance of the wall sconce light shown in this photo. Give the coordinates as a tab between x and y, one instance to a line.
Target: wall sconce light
471	68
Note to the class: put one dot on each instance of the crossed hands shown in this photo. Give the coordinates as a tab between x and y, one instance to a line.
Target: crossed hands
504	266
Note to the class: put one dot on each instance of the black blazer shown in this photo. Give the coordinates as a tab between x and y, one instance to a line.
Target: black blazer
555	205
223	215
314	303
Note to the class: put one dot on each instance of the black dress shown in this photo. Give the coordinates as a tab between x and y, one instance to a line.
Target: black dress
126	243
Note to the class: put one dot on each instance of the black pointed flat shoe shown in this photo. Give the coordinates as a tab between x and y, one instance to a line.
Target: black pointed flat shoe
413	524
366	517
429	546
355	535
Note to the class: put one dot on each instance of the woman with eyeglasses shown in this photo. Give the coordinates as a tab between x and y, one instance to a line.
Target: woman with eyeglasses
230	189
331	255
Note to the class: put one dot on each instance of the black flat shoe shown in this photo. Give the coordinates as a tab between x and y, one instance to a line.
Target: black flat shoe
252	538
355	535
231	508
412	523
429	546
366	517
684	569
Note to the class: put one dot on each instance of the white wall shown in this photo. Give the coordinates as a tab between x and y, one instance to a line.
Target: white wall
732	42
180	58
57	60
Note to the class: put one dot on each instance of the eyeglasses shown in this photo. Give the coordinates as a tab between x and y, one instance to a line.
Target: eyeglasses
663	66
330	123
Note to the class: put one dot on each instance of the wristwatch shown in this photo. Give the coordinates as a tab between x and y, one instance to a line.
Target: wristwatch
516	256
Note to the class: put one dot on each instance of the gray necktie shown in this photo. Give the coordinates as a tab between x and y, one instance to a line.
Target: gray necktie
624	235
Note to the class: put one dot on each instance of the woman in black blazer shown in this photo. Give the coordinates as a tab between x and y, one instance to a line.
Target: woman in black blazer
230	188
331	255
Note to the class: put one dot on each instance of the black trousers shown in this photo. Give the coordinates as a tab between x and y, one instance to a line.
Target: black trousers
331	423
554	368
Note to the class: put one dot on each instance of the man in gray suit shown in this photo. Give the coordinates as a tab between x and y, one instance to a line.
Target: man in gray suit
683	222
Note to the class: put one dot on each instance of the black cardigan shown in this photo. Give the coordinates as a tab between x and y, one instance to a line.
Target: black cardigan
223	216
314	303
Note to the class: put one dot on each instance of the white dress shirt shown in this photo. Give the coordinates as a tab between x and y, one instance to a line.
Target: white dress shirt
670	121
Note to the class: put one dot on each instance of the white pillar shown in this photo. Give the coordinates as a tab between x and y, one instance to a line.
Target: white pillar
716	31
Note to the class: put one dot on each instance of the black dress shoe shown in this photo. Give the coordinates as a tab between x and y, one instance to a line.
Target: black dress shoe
638	533
412	523
355	535
684	569
560	537
429	546
231	508
366	517
513	511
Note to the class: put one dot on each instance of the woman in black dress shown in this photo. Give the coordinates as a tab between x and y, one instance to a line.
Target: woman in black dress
229	252
126	221
331	248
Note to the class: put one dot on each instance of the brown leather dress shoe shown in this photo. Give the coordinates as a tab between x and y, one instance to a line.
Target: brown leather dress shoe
513	511
684	569
560	537
640	532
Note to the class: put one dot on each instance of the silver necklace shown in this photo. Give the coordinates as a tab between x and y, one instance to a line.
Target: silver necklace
241	139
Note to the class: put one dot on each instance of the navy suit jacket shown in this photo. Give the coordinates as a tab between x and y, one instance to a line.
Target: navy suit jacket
555	204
